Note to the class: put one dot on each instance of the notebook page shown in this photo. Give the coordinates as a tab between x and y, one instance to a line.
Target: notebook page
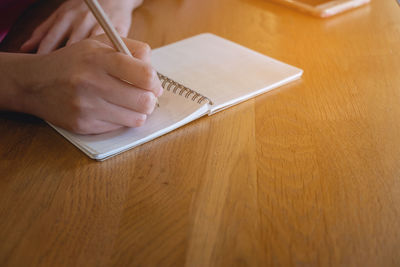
174	111
224	71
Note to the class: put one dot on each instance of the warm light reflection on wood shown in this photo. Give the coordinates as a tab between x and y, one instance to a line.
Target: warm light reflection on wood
307	175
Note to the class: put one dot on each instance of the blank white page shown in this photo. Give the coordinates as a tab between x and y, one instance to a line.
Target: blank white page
221	70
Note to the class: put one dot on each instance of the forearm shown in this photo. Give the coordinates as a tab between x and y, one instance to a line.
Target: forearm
13	77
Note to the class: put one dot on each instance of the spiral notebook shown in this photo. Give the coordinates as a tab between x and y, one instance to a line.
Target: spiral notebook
200	75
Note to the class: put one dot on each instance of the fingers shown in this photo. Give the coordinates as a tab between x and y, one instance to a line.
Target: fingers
136	71
56	35
133	71
61	26
138	49
97	115
97	30
81	29
122	29
33	42
118	115
106	117
121	21
125	95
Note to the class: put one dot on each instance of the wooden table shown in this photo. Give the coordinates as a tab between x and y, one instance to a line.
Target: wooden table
306	175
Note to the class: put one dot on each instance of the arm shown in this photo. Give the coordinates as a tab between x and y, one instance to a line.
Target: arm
86	88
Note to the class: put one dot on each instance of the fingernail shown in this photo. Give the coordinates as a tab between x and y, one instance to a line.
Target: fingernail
43	51
160	91
141	121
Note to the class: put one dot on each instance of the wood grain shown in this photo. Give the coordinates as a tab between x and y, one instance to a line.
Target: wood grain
306	175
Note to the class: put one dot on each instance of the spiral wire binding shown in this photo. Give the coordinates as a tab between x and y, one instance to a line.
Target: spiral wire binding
182	90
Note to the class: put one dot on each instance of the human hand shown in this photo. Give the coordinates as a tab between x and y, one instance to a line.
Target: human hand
89	88
73	22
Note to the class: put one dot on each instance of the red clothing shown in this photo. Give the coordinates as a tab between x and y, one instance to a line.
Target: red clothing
10	10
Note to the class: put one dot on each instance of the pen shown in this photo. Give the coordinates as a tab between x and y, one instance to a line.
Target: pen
108	28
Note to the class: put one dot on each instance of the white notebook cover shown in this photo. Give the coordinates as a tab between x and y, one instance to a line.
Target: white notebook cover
221	70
